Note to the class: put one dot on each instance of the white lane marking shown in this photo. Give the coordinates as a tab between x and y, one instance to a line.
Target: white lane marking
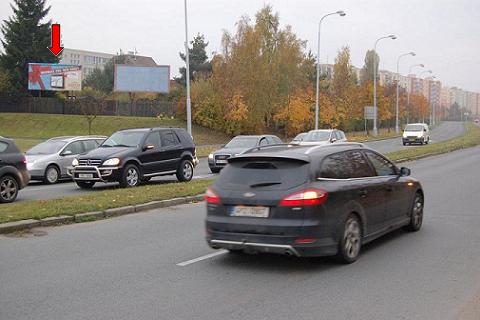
207	256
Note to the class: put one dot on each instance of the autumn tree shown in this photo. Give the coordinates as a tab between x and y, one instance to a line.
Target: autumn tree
344	89
371	59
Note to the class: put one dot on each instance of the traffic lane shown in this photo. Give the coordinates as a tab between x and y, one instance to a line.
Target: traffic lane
39	191
126	268
445	131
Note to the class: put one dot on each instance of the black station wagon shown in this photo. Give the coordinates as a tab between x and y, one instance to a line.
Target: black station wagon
310	201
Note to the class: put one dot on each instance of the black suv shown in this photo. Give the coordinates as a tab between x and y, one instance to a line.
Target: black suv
310	201
13	171
133	156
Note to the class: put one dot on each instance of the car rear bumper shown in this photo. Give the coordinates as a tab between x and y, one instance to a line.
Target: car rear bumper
286	245
24	178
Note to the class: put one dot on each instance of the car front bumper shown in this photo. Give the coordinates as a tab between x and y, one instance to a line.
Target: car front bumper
92	173
413	139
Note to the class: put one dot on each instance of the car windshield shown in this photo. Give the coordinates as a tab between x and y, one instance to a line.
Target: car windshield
47	147
414	127
129	139
243	142
317	136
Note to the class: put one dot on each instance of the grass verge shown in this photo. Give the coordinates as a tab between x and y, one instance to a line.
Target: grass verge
33	127
100	200
471	138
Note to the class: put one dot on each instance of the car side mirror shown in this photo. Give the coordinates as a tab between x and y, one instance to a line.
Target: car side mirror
425	130
66	153
148	147
404	172
333	140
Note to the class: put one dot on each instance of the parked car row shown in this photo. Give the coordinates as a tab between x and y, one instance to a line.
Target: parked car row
128	157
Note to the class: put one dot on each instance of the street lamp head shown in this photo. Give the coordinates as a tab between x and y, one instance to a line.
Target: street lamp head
393	37
341	13
413	54
422	65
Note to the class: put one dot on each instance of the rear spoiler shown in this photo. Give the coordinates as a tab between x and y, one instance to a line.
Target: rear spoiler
269	157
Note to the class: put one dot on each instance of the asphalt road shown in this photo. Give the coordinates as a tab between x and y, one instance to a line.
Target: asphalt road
127	267
35	190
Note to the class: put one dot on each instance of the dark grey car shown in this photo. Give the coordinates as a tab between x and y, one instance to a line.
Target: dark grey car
310	201
219	159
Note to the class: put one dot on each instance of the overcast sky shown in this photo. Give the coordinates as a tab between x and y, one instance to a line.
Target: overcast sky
445	34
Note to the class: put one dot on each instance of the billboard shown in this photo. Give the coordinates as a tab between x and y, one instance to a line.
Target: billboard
54	77
141	79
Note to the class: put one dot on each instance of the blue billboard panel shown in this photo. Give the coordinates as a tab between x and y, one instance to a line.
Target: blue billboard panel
54	77
142	79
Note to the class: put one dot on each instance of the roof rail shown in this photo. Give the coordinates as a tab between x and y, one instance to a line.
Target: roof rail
340	144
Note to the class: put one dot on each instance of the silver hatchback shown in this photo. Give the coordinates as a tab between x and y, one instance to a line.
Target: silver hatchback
48	161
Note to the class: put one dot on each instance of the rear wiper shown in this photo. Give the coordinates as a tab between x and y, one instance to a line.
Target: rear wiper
264	184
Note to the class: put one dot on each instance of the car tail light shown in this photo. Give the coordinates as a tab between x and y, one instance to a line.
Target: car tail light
305	240
309	197
211	197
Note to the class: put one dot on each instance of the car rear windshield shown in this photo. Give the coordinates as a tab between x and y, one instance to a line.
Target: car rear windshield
244	142
317	136
414	127
47	147
265	174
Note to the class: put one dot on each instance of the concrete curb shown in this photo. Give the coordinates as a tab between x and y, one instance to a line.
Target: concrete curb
10	227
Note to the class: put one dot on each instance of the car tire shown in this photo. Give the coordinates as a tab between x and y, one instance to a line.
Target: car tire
185	171
214	170
416	215
130	176
8	189
350	243
85	184
52	175
428	140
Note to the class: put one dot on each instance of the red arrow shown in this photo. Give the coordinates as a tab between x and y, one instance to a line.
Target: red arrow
55	47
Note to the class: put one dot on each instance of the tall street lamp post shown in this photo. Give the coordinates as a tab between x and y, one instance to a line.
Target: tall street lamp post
398	80
317	97
187	74
421	65
375	130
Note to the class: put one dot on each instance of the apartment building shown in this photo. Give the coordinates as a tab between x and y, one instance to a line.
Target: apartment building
89	60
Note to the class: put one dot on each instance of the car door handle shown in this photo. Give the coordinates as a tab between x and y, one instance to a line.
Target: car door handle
363	193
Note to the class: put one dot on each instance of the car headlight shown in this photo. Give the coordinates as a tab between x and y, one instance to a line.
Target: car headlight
75	162
210	156
112	162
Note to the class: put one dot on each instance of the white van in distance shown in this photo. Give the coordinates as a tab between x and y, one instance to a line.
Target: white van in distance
416	133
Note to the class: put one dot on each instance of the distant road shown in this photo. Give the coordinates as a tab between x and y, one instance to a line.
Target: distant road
37	191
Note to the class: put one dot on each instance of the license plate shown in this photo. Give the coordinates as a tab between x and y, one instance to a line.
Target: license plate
256	212
222	161
85	175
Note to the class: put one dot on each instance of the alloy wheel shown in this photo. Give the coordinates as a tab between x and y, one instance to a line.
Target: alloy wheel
52	175
352	237
8	189
187	170
417	213
132	177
